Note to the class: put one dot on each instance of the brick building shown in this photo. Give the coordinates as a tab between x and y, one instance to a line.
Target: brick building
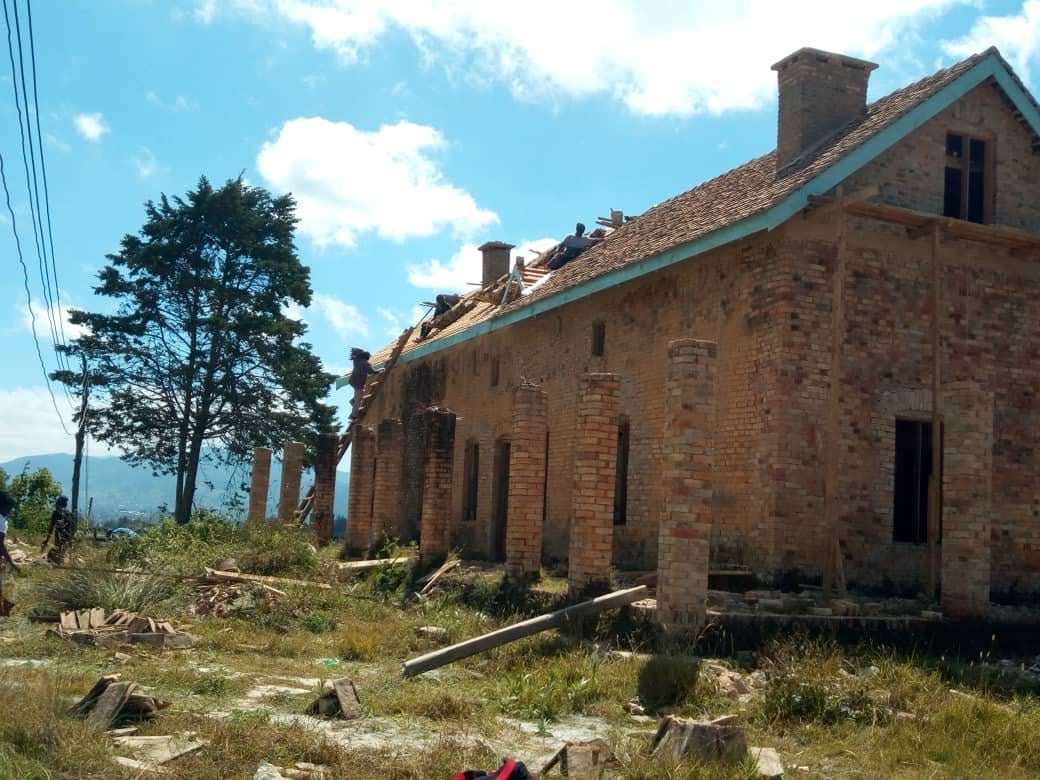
866	292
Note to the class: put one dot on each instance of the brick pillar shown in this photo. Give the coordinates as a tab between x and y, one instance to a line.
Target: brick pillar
526	482
362	483
386	512
325	461
292	471
592	500
687	457
967	495
437	474
260	485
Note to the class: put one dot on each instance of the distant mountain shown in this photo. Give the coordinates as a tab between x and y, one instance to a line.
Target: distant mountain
119	489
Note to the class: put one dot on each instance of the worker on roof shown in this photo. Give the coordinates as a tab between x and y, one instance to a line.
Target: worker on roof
445	303
571	247
359	374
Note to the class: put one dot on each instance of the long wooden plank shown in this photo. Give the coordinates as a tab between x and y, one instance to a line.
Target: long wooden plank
226	576
520	630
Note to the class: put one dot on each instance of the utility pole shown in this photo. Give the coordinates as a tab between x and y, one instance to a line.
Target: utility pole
81	433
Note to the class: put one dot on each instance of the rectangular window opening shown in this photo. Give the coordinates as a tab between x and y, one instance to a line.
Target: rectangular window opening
913	471
621	473
599	338
494	372
967	182
471	481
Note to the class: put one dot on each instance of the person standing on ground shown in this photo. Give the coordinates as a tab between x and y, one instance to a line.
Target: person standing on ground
6	506
63	526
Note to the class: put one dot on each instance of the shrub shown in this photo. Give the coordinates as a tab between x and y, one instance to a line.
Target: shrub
668	681
81	589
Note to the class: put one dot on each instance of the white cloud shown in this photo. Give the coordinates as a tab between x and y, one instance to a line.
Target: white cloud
42	322
206	10
349	181
656	58
466	266
145	162
30	424
1017	36
90	126
179	102
344	318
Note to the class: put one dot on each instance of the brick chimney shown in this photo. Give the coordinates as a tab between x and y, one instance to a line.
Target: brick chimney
819	92
496	261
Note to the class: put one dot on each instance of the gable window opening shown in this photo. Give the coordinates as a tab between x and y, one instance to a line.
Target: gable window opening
913	471
968	186
471	481
599	338
621	473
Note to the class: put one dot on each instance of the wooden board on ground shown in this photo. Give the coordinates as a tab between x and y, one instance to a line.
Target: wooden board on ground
82	707
159	750
347	695
520	630
110	703
227	576
431	579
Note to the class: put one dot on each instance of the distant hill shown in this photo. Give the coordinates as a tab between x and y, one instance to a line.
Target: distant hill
120	490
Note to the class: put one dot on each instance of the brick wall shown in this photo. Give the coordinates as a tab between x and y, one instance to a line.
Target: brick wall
362	488
967	499
526	482
260	484
592	497
325	461
437	470
292	472
386	509
766	302
686	472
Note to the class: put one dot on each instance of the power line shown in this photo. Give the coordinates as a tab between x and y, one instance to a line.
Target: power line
28	295
41	251
43	170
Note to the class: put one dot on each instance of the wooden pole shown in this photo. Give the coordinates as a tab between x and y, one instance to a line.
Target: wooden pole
77	460
935	480
830	541
516	631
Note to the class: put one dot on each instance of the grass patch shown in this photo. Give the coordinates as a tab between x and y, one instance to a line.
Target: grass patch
86	590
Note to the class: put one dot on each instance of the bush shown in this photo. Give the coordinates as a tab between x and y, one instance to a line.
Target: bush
265	548
80	589
668	681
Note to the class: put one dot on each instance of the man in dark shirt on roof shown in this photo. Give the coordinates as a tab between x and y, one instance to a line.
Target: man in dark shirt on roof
571	247
361	371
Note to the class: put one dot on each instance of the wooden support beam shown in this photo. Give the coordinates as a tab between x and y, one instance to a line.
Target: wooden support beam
520	630
925	229
825	204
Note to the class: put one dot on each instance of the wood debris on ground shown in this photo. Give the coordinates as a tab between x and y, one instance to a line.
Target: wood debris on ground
592	760
155	751
430	580
347	569
227	599
215	576
96	628
302	770
719	740
340	700
112	702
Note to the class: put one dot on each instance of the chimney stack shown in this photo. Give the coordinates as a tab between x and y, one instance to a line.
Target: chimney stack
496	261
819	92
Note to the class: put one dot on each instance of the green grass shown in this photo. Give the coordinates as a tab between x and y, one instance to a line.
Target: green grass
818	707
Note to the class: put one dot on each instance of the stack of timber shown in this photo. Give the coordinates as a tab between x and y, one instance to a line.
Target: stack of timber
93	627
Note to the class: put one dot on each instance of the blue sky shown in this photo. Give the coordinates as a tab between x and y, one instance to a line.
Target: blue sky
413	131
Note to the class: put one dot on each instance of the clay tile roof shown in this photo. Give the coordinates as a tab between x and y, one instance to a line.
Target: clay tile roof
725	200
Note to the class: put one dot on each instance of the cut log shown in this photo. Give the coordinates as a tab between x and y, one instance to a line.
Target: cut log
520	630
227	576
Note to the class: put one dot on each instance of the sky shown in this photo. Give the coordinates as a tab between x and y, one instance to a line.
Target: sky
410	131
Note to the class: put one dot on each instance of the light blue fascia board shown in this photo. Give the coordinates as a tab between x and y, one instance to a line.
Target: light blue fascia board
990	66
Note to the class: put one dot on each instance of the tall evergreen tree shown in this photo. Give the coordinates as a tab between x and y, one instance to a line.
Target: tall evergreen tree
200	359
